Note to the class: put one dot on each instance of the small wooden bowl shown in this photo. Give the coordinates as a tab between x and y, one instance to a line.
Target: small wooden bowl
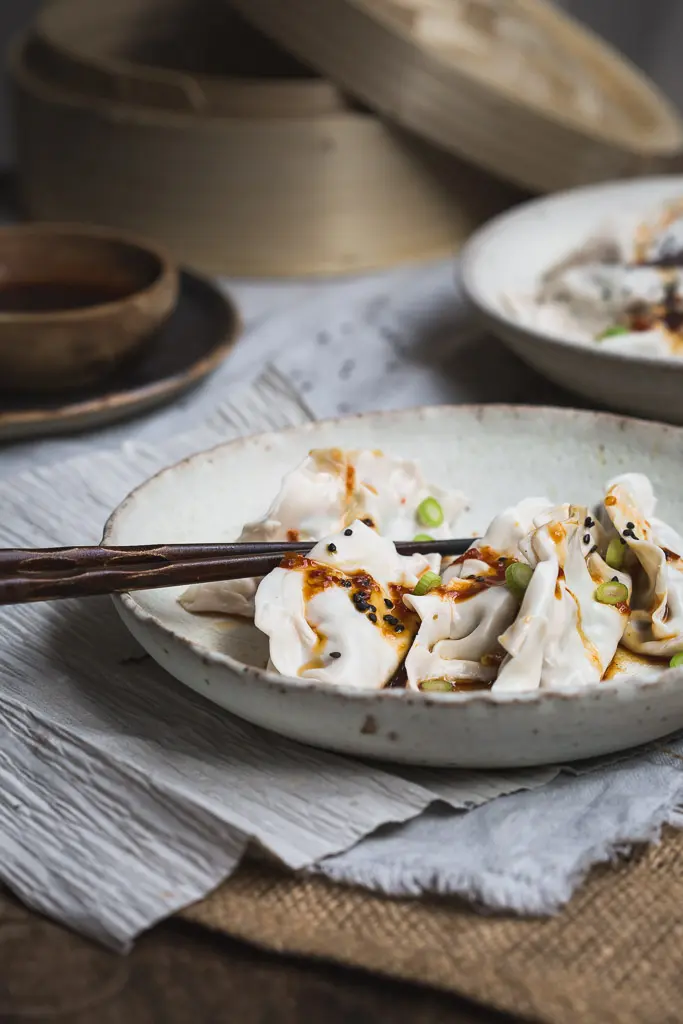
76	301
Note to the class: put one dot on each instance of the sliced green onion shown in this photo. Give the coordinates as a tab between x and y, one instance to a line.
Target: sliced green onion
422	537
427	582
616	552
518	577
676	660
611	332
429	512
611	593
436	686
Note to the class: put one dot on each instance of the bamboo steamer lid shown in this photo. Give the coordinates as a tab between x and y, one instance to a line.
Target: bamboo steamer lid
515	86
333	193
198	56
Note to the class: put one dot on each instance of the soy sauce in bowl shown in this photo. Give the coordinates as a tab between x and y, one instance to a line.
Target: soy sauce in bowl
58	296
76	301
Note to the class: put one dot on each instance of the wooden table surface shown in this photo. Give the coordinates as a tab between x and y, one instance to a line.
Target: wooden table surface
178	973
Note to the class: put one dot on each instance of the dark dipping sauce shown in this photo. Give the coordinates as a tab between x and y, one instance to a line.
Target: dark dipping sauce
59	296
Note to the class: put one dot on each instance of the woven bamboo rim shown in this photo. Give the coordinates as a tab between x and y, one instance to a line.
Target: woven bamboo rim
408	60
111	50
332	194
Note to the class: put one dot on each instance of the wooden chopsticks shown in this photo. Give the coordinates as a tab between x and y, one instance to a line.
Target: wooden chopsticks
47	574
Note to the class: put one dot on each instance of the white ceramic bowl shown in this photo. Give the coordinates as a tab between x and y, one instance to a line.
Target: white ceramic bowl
509	255
497	455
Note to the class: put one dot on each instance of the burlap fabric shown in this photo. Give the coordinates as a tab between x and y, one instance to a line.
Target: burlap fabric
614	955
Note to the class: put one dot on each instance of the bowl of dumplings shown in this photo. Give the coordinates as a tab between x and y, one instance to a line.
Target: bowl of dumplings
587	287
556	636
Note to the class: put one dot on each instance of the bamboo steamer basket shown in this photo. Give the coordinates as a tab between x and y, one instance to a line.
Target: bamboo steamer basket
198	57
515	86
333	193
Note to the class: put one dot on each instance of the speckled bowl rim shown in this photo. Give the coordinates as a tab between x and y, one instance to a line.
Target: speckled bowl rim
471	254
285	684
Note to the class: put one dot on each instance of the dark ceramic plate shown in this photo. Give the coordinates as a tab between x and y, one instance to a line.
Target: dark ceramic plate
193	343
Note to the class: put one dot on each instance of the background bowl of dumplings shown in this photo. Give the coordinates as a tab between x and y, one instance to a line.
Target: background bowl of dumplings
496	456
504	267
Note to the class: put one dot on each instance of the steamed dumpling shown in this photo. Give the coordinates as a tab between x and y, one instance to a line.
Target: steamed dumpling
655	625
329	490
337	615
563	636
501	539
460	621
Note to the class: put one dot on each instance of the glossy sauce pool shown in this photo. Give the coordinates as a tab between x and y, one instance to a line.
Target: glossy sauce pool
59	296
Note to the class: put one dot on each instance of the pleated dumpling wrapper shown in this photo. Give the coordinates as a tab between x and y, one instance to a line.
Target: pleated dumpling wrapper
461	620
574	609
655	625
337	615
327	492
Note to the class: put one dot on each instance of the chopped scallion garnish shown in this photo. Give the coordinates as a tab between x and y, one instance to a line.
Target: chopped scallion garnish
518	577
427	582
611	332
616	552
611	593
429	512
436	686
422	537
676	660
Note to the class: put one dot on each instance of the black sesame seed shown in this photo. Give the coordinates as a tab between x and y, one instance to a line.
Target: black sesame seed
372	617
615	579
335	654
586	538
368	522
479	579
626	533
593	549
588	523
391	619
332	548
630	526
388	603
347	533
363	606
372	608
346	583
399	629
